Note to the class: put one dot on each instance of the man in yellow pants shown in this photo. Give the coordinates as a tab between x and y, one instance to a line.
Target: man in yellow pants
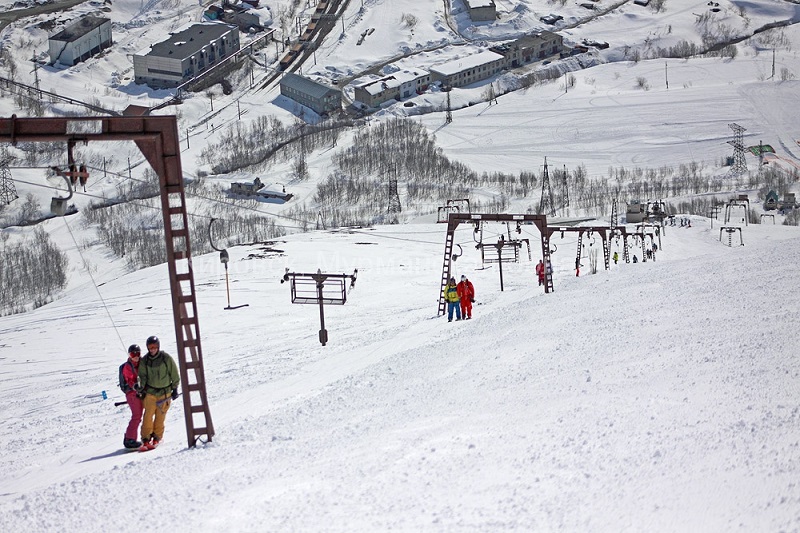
158	386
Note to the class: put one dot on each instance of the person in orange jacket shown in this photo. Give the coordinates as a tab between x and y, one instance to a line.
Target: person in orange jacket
466	293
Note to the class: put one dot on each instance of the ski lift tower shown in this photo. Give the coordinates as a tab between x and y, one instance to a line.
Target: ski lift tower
157	138
455	219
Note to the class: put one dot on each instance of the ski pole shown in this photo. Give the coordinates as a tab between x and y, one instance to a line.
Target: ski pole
159	403
117	404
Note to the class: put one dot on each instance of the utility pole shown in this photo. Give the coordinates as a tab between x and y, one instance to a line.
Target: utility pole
499	245
773	64
36	74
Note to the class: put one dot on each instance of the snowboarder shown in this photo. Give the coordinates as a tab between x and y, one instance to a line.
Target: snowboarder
128	375
158	380
466	293
452	299
540	272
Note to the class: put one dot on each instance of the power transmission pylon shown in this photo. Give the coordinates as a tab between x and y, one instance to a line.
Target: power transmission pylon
8	192
614	218
546	204
739	166
394	196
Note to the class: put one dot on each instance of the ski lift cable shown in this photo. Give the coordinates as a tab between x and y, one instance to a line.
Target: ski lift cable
158	208
96	288
300	221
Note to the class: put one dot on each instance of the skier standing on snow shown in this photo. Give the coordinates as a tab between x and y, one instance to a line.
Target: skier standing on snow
466	293
616	257
158	380
452	299
129	373
540	272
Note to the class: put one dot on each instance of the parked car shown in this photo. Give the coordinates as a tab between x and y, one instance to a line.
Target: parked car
596	44
551	18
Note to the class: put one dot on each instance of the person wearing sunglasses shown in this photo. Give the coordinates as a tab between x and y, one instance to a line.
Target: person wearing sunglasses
128	379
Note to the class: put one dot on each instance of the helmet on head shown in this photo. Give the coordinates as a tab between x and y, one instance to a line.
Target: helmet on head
134	349
463	278
452	280
152	339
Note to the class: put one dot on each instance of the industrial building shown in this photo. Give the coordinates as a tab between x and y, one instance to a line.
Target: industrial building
80	40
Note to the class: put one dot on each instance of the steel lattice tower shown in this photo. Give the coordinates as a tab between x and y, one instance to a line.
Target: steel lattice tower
739	166
394	196
546	204
8	192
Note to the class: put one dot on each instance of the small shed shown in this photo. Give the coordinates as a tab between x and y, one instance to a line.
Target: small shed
771	201
80	40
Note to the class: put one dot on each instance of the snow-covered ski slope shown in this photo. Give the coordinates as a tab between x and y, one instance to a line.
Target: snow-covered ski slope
660	396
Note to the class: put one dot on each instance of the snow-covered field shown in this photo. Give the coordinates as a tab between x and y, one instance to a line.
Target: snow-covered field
658	396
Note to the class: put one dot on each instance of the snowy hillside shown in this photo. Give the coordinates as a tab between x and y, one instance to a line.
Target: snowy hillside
658	396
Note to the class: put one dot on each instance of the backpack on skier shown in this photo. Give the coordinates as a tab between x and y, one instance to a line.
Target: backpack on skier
122	383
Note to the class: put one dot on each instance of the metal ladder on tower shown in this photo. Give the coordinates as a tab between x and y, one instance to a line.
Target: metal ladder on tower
548	265
580	243
195	402
448	252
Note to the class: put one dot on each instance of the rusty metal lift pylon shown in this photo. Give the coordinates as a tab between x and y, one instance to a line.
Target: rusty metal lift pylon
545	231
157	138
454	219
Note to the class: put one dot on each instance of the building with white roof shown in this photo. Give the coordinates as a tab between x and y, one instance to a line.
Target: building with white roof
469	69
395	86
481	10
80	40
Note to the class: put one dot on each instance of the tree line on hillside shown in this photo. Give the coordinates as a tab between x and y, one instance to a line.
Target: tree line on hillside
133	228
32	272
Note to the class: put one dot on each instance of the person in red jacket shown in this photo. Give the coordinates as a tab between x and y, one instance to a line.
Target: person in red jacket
466	293
540	272
129	377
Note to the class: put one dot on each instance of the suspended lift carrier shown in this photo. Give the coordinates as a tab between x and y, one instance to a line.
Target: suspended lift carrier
490	253
453	206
